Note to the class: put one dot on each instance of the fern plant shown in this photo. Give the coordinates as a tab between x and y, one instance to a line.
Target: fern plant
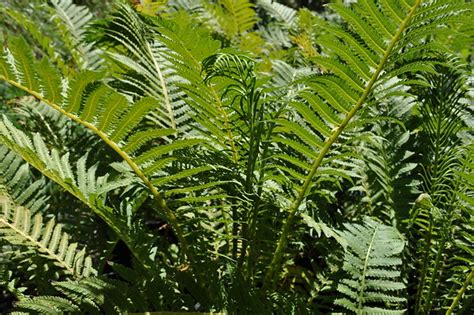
354	79
206	137
446	160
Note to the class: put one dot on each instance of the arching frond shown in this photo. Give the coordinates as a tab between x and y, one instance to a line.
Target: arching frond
48	304
80	181
141	67
91	295
103	111
192	105
206	112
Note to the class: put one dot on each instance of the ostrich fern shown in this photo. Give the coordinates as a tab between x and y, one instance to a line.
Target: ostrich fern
391	38
215	139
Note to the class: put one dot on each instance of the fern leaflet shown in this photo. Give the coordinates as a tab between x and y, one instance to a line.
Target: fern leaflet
20	229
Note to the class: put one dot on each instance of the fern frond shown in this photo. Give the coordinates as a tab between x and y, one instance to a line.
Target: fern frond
387	177
19	183
80	181
142	65
106	110
18	228
457	299
46	43
57	167
90	295
234	16
72	21
375	38
280	12
371	261
202	108
47	304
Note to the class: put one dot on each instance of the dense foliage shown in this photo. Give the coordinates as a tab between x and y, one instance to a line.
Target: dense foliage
236	156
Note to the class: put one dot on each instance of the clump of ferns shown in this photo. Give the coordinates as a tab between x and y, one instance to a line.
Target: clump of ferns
405	26
435	215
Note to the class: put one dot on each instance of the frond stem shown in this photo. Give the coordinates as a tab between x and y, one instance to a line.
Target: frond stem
164	88
427	251
366	265
461	291
233	148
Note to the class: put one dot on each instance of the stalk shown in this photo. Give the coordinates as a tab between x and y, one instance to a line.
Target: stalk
458	297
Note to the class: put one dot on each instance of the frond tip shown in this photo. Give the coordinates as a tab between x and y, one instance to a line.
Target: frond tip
372	265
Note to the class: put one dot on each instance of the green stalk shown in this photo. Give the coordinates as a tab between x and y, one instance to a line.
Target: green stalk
256	206
364	272
275	265
255	121
461	291
419	295
437	271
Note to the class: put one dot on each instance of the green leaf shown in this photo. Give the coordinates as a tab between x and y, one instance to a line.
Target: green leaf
131	119
24	62
50	81
159	151
77	90
49	242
